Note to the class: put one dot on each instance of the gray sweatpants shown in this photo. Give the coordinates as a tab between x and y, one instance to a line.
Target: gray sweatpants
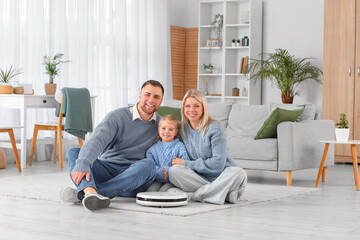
231	179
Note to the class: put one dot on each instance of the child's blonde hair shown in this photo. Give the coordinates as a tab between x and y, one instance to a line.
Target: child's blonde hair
169	118
205	118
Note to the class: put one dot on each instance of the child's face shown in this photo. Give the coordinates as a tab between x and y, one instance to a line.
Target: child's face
167	131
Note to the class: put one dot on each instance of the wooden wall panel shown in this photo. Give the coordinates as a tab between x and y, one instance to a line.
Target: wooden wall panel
184	54
191	59
178	60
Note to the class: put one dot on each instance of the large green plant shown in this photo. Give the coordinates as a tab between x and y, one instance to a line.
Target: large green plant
7	74
52	65
284	71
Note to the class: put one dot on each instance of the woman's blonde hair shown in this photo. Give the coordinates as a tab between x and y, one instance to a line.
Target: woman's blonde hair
204	119
170	118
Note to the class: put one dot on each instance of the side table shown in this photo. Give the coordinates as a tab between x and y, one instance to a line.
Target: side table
353	144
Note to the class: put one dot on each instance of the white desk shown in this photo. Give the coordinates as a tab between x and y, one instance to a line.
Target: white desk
23	102
353	144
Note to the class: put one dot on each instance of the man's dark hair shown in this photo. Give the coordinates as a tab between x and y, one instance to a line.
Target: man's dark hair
153	83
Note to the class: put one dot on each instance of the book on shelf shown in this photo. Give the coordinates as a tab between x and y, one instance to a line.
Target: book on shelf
244	63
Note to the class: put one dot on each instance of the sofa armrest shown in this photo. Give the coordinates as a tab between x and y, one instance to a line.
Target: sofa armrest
299	144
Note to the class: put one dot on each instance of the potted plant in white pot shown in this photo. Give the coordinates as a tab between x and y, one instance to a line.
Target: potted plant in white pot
5	78
52	67
342	130
233	43
208	68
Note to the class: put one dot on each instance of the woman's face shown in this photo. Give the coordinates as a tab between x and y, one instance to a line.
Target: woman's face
193	110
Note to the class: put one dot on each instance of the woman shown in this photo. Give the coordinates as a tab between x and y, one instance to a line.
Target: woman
211	173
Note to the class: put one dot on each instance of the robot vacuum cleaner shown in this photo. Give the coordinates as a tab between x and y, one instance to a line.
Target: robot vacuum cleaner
161	199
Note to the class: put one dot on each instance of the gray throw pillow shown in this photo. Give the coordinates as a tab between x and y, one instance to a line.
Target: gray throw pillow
220	111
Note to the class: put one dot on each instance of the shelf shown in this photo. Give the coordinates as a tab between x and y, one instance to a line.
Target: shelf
236	74
227	59
235	97
246	47
213	96
238	25
208	48
210	74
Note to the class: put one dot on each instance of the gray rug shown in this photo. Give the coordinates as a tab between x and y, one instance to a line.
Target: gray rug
48	186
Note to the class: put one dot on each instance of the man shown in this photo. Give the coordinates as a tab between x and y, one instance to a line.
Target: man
112	163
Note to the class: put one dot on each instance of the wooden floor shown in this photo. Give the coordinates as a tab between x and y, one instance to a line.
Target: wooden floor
331	213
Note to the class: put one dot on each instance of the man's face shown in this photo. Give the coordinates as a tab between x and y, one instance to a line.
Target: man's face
150	99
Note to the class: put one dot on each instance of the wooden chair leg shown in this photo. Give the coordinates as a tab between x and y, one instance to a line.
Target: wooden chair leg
13	144
55	145
33	143
323	175
80	142
289	178
60	149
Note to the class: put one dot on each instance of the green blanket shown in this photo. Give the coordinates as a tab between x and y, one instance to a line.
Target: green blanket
77	111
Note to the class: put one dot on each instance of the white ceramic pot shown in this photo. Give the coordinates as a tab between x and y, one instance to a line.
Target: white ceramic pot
233	44
342	134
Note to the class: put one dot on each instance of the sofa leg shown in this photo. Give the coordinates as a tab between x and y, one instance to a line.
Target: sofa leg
288	178
323	175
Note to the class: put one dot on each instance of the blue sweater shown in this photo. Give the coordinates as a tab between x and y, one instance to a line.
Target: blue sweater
163	153
209	154
118	139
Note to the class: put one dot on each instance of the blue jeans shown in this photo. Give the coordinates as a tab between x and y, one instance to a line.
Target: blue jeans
112	180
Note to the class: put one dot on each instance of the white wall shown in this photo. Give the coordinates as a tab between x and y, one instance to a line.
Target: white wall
296	25
184	13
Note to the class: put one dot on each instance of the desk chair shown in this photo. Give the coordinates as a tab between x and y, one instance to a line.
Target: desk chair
57	127
10	131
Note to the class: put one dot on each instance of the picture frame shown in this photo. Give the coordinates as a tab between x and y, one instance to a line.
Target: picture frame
213	42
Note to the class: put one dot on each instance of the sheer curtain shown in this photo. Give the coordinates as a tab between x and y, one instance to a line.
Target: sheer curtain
114	46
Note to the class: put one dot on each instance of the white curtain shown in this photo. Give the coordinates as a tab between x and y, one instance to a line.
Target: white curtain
114	46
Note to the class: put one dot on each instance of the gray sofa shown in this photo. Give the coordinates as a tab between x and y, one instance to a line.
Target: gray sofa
296	147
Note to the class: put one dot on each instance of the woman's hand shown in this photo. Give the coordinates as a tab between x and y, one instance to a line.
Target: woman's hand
178	161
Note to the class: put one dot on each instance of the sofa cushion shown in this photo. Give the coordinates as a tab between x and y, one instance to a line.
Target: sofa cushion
309	112
269	128
292	107
245	147
246	120
220	111
163	110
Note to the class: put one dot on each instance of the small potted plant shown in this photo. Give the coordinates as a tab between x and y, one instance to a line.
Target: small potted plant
238	42
233	43
342	130
5	78
209	68
52	67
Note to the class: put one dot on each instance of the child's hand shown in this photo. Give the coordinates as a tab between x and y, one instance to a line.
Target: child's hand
165	174
178	161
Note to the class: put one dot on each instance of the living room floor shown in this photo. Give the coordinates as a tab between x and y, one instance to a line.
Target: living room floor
331	213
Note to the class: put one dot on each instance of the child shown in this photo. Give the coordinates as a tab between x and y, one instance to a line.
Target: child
167	147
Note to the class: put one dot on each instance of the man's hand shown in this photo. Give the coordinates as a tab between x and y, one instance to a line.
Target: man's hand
78	176
178	161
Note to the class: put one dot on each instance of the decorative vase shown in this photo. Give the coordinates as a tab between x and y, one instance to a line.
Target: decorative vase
235	92
233	44
6	88
209	71
50	88
342	134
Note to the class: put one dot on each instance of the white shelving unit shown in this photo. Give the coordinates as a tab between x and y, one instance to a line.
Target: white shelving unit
227	59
